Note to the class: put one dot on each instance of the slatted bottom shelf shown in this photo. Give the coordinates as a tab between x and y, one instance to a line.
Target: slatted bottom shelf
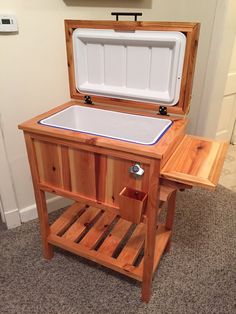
105	238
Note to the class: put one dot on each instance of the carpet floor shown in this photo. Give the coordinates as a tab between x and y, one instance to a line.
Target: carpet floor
197	276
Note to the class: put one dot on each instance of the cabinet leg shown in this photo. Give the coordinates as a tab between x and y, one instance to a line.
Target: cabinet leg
170	216
43	223
149	258
150	239
40	198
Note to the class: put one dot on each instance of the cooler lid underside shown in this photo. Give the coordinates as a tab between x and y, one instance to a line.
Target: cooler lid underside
143	66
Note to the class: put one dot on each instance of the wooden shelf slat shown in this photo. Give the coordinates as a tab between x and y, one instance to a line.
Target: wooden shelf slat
134	245
92	237
75	231
66	218
117	227
115	237
94	256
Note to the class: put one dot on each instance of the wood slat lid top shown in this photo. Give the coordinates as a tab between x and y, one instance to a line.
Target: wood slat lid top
140	65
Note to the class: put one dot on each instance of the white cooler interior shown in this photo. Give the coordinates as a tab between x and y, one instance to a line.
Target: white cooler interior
112	124
136	65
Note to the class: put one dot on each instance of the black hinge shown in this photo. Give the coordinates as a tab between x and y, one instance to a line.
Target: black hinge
88	100
163	111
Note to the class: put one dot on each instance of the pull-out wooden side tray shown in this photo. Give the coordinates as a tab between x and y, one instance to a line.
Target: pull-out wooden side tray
196	162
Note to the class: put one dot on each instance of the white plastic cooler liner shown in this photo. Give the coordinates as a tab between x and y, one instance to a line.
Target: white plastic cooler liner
112	124
136	65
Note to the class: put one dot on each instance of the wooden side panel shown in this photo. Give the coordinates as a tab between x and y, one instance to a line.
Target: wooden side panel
86	173
196	161
49	162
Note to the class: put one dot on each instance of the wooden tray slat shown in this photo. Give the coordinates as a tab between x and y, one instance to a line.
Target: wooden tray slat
75	231
115	237
66	219
92	237
134	245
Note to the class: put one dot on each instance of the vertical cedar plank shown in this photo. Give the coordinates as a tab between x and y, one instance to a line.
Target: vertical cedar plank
66	177
100	173
39	198
48	160
151	214
82	171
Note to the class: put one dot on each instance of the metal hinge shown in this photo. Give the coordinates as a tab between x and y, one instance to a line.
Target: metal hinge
88	100
163	111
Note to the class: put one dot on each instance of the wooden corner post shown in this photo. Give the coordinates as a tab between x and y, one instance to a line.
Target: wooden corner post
39	198
151	226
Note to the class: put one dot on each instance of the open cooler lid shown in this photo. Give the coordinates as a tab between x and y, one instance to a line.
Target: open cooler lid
143	65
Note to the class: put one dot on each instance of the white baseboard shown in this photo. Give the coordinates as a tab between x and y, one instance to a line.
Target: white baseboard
30	212
12	218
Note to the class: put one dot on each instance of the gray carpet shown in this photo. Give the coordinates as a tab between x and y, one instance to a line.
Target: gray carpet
197	276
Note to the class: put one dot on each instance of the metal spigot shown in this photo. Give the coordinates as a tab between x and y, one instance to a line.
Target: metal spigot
137	170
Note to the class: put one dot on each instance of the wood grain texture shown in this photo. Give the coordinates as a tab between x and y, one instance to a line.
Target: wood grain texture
100	227
132	204
196	161
86	174
66	218
39	198
115	237
150	237
189	29
75	231
134	245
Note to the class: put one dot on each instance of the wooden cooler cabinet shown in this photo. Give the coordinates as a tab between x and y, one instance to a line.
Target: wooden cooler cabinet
127	79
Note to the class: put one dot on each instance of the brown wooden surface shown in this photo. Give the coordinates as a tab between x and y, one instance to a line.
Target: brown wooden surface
79	226
39	198
99	241
67	218
134	245
100	227
150	236
97	177
196	162
132	204
114	238
191	30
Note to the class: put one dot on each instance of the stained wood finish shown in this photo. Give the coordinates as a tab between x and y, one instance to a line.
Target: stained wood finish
95	176
39	198
67	218
196	162
151	218
191	30
98	245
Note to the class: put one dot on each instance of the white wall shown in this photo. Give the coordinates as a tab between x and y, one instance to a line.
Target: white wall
34	68
222	42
